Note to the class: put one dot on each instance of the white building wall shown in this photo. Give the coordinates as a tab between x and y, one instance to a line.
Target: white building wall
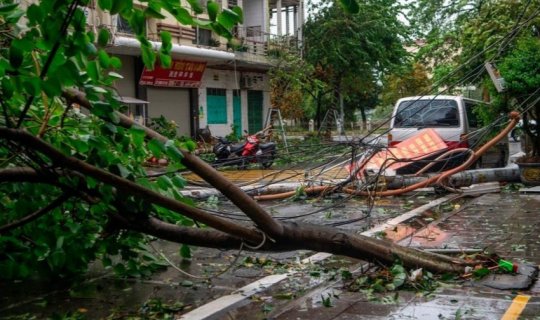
256	14
223	80
230	80
126	86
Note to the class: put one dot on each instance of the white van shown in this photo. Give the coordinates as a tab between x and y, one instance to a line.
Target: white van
453	119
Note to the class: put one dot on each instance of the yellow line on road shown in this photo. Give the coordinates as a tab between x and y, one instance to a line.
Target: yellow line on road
516	308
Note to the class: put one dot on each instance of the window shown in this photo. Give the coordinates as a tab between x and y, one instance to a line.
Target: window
122	25
216	106
427	113
204	37
471	115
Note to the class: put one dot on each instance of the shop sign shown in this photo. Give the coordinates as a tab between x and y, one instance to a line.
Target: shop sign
183	73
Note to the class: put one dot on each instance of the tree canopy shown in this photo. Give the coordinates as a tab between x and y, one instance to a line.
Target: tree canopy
462	35
352	51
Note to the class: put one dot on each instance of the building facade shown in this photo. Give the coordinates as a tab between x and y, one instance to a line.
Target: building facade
209	84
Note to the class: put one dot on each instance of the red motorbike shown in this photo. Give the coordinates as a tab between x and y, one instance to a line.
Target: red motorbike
241	154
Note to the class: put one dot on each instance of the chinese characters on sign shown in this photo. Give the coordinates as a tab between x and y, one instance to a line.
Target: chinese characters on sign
183	73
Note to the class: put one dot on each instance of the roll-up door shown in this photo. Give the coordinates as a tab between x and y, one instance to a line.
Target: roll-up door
173	104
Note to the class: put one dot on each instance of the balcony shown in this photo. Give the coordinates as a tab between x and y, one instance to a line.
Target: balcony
254	41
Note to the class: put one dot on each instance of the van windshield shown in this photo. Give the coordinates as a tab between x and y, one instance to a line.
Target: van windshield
427	113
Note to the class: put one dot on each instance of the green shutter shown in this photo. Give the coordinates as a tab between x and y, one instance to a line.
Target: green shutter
216	106
255	111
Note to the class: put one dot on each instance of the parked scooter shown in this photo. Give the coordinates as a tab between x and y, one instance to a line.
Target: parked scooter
250	151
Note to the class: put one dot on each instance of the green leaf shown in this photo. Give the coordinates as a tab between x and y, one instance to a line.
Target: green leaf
116	63
8	8
221	30
179	181
34	14
52	87
8	88
137	22
60	242
184	17
185	252
196	6
213	8
121	5
190	145
103	58
137	135
120	170
115	75
173	152
105	4
57	259
153	13
32	86
164	182
350	6
203	23
399	280
228	18
239	13
165	60
92	69
156	147
103	37
166	37
16	56
148	55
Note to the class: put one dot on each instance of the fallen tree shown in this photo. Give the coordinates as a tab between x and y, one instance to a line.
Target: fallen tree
73	186
266	233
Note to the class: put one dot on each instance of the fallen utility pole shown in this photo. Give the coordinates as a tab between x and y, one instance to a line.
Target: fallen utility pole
458	180
461	179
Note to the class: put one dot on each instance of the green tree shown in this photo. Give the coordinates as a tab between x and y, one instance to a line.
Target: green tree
410	81
354	49
463	35
521	71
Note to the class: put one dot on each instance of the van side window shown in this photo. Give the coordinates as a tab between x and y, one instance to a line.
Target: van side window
471	115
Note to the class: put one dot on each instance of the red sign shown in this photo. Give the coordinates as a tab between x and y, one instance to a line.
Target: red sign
182	73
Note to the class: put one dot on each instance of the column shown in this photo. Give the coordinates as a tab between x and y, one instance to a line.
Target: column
278	12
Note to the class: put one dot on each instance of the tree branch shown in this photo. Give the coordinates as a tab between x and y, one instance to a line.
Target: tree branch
27	174
127	186
304	236
33	216
243	201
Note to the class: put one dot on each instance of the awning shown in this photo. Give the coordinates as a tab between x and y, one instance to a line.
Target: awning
131	100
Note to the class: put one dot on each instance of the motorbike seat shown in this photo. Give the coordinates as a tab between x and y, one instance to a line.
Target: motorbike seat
237	147
268	145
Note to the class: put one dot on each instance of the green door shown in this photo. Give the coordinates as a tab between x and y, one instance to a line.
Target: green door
216	106
237	113
255	111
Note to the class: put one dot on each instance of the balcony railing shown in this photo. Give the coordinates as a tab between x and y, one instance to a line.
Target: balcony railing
253	40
